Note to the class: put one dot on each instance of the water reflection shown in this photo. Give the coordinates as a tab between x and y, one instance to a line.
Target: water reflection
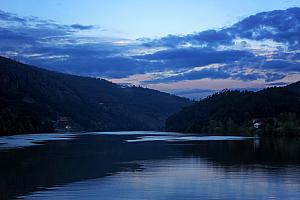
185	178
265	151
97	165
184	138
21	141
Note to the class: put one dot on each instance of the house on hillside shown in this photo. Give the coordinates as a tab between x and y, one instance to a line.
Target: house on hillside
63	124
257	123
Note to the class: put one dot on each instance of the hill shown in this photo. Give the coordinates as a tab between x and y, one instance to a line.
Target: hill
37	100
269	111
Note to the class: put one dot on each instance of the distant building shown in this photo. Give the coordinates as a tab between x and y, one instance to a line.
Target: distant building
257	123
63	124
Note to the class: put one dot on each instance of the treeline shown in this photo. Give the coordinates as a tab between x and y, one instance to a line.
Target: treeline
274	111
12	122
286	124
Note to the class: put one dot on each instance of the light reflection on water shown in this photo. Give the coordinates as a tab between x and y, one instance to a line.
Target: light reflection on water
182	138
27	140
184	178
151	165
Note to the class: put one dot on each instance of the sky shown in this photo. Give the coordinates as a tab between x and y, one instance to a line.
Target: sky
148	18
191	48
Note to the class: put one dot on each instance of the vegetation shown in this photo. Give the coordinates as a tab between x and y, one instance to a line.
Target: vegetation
33	99
276	109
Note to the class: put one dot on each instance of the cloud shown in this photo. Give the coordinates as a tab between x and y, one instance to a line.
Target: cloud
217	73
192	91
262	47
278	25
277	84
5	16
281	66
192	75
209	38
188	58
82	27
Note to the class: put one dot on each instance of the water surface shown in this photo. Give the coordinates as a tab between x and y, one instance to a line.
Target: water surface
148	165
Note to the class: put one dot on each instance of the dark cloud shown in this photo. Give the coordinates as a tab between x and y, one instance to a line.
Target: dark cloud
247	77
219	73
193	75
11	17
277	84
279	25
114	67
210	38
281	66
82	27
193	57
38	28
192	91
270	77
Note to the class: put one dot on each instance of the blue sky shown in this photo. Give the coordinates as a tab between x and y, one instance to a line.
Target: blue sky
147	18
191	48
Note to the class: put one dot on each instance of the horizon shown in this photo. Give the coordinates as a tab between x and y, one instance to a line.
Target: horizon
160	51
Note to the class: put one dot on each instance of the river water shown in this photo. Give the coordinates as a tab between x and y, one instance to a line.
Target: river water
148	165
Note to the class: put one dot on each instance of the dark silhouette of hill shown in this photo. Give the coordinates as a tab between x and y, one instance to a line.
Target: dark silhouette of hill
33	100
276	110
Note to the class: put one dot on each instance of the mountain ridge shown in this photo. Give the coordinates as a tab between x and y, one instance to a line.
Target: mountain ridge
277	109
32	99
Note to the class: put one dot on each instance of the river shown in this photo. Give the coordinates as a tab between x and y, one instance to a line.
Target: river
148	165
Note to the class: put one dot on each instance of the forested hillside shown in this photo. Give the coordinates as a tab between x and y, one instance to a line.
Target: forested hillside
270	111
34	100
